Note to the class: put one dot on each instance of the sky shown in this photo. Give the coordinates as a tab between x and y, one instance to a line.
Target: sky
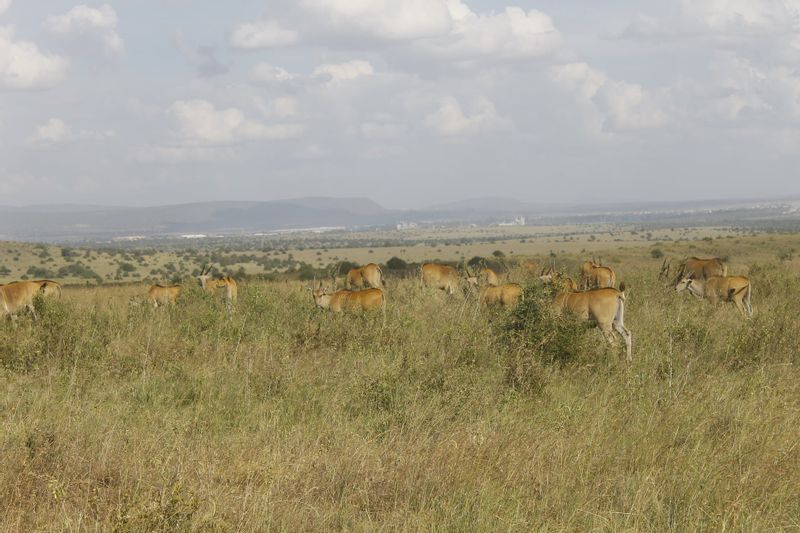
408	102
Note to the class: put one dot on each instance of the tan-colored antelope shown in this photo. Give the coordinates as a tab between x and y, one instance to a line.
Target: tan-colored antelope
485	277
736	289
700	269
561	282
19	295
596	276
370	275
586	272
211	285
605	307
341	301
50	288
438	276
602	278
159	295
506	295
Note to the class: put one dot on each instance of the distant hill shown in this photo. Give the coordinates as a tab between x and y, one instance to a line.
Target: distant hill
91	222
64	222
484	205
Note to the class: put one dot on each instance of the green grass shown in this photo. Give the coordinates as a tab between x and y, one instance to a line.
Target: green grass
284	417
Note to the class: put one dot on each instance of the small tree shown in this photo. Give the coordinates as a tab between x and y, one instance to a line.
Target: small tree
395	263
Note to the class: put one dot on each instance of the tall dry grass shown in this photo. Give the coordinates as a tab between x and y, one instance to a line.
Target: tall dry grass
284	417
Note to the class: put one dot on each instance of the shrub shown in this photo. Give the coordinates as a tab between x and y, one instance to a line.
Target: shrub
395	263
535	336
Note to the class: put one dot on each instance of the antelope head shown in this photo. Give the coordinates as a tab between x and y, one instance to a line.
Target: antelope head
204	276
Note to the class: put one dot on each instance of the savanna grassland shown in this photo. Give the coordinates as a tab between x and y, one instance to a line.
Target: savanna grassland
280	416
164	262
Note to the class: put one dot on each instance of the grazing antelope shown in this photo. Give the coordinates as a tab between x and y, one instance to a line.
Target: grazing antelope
605	307
531	266
163	295
586	272
561	282
370	275
19	295
50	289
596	276
438	276
736	289
485	276
700	269
506	295
210	285
340	301
602	278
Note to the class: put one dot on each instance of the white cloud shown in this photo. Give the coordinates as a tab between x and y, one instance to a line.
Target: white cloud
198	121
744	15
281	107
263	34
622	105
722	22
450	119
391	20
24	66
746	88
344	71
94	24
4	5
444	29
511	34
170	153
266	73
56	131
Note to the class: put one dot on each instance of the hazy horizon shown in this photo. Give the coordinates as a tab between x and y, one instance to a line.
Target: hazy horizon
472	200
410	103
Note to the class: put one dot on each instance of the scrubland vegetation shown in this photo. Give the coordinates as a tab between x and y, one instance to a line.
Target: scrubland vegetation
281	416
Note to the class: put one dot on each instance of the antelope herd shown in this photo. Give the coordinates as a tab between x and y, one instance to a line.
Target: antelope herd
595	299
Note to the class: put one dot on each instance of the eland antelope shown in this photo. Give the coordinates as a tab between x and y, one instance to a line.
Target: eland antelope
605	307
50	289
530	266
586	272
341	301
596	276
561	282
506	295
370	275
700	269
19	295
159	295
736	289
485	276
210	285
438	276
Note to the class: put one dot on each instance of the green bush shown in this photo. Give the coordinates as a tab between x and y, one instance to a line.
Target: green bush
395	263
536	336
